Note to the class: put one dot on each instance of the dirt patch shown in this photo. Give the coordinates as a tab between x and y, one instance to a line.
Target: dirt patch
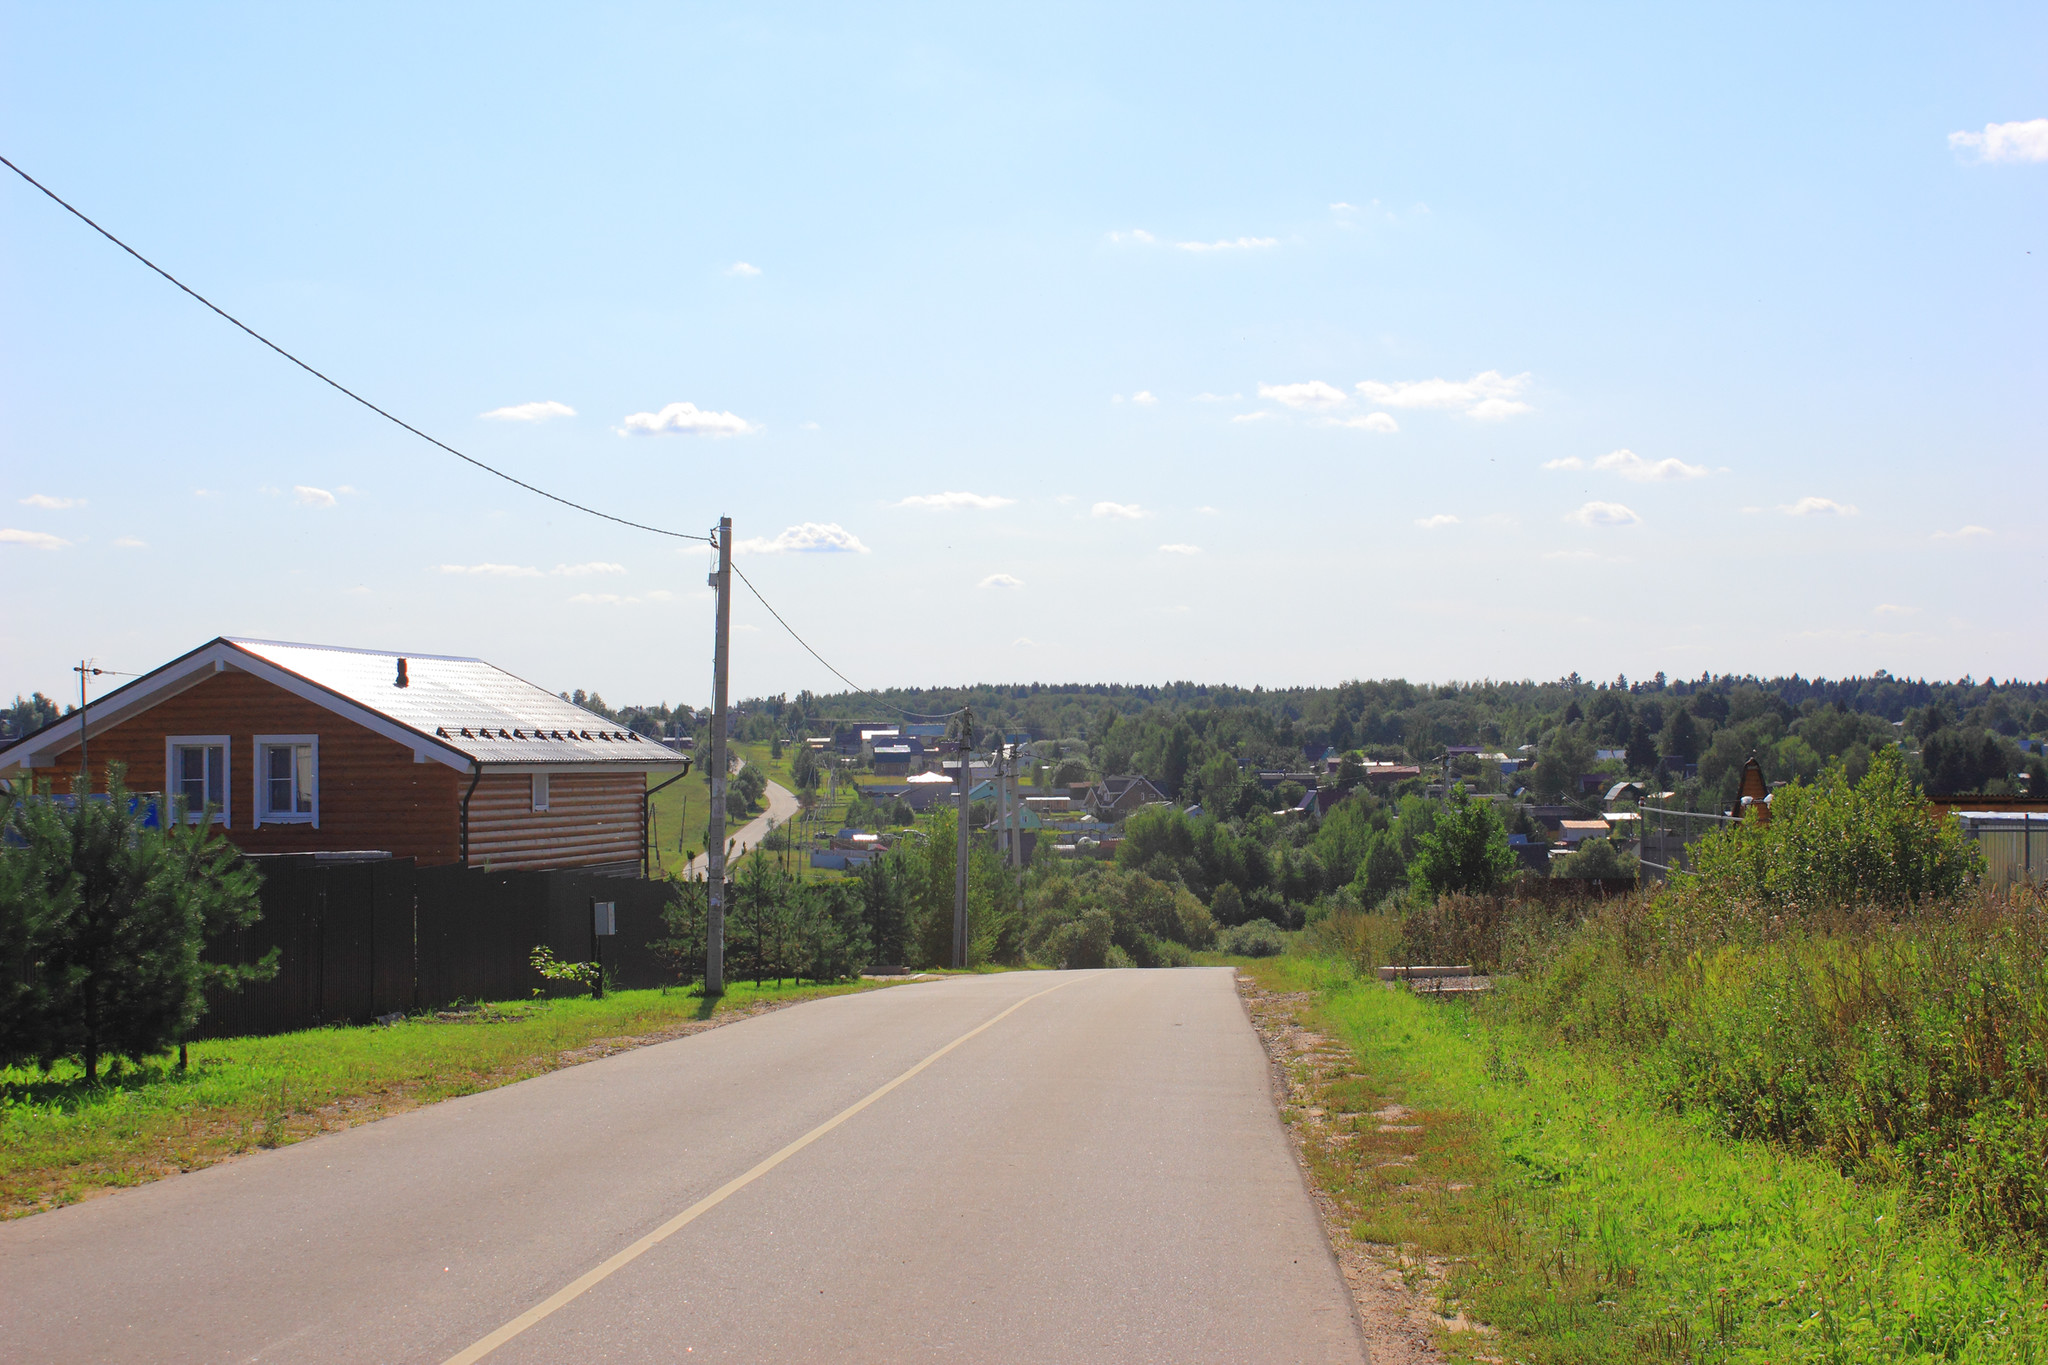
1393	1289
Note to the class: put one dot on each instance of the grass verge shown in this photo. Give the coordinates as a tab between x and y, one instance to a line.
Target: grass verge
1550	1204
61	1141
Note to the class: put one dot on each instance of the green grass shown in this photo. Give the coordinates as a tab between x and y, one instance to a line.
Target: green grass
1585	1224
691	797
61	1140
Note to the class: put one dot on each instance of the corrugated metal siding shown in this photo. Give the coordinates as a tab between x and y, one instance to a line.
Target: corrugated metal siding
592	818
372	794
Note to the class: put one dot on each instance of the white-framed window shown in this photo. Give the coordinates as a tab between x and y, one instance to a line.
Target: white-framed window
288	780
196	768
540	791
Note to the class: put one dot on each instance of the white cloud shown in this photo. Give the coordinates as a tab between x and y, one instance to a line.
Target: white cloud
131	543
1965	533
1603	514
491	570
530	412
50	504
1489	397
595	566
685	419
2026	141
1818	507
947	502
810	538
1371	421
1217	397
1001	580
35	540
311	497
1118	511
1313	395
1143	398
1138	235
1440	519
1231	244
1207	511
1341	207
1634	467
743	270
1180	549
1497	410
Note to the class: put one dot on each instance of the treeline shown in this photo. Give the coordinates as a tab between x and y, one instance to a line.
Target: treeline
1192	739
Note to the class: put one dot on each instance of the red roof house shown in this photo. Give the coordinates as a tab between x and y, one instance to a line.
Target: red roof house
310	748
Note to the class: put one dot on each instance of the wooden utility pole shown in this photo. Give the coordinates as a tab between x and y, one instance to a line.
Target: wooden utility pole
960	874
714	839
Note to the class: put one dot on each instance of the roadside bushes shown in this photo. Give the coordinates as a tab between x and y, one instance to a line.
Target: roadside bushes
1832	982
1102	916
103	927
1833	845
1254	938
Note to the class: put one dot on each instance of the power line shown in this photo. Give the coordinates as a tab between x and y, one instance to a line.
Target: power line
443	445
914	715
337	387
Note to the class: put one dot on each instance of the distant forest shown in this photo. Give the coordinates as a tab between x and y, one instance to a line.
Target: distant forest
1691	734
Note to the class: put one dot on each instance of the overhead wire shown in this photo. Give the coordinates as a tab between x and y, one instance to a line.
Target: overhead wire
443	445
331	383
912	715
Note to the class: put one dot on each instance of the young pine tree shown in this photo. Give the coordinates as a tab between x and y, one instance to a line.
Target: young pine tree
112	919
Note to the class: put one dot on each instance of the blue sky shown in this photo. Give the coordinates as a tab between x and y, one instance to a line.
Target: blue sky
1272	345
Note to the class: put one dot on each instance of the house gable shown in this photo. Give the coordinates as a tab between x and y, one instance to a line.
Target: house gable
374	792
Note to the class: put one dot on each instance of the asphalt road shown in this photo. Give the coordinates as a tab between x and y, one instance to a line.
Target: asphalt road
1096	1176
781	807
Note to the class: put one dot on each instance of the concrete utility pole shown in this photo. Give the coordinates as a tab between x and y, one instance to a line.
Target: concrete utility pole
1002	801
960	874
714	839
84	670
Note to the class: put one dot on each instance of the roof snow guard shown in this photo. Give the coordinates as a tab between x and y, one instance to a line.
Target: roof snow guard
457	711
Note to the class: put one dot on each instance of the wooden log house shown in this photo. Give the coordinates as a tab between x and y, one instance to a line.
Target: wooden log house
294	748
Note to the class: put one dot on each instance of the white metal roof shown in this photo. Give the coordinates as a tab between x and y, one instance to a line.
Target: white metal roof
457	711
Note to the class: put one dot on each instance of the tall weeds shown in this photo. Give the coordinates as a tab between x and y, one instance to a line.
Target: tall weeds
1909	1048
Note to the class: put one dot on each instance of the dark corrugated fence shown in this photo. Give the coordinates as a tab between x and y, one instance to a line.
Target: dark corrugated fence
366	938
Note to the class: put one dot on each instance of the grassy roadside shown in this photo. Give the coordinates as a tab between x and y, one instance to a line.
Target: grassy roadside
60	1142
1547	1199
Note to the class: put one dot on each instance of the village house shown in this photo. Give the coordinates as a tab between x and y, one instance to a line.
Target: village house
1114	798
295	748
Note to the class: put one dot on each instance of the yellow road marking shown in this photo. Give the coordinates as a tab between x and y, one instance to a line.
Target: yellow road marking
592	1278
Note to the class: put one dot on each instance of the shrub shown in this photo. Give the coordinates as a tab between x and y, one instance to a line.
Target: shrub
1833	845
1075	918
1255	938
1466	850
1597	860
